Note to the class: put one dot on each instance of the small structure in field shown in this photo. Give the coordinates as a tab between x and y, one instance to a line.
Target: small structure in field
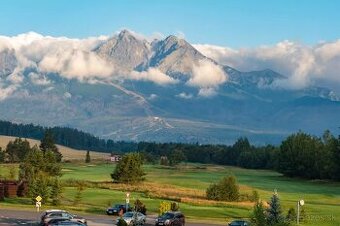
12	188
115	158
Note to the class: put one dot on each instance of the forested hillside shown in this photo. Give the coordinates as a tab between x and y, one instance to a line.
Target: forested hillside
69	137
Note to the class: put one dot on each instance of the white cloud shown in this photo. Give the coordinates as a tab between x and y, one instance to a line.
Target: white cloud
39	79
15	78
207	76
67	95
72	58
76	64
303	65
50	88
153	96
153	75
180	34
7	90
185	95
207	92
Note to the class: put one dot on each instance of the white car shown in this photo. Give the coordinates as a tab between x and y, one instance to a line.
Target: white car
133	218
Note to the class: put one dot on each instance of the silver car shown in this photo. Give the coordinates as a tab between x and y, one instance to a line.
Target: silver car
51	214
133	218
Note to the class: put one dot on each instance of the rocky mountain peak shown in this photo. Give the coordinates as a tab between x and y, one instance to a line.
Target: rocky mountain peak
126	34
125	51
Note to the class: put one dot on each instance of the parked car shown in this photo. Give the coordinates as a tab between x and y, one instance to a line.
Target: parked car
171	218
239	223
116	209
63	221
133	218
51	214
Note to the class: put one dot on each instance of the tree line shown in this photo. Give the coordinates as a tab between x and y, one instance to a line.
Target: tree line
69	137
299	155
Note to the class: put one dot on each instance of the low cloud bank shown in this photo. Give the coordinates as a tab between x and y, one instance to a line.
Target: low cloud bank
71	58
207	76
303	65
74	59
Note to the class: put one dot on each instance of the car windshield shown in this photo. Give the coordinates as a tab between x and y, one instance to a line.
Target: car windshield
237	223
118	205
168	215
128	214
69	223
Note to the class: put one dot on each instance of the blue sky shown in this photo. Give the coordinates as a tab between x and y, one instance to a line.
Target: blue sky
234	23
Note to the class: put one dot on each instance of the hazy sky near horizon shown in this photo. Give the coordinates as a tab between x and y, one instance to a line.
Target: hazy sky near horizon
233	23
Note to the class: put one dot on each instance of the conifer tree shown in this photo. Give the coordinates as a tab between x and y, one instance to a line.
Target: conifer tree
274	211
47	143
88	158
56	192
258	217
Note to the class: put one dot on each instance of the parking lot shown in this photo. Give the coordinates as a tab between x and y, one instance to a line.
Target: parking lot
10	217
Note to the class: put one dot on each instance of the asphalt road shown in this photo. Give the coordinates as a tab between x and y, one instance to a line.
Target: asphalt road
10	217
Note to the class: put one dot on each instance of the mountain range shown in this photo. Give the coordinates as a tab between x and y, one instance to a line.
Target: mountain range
158	90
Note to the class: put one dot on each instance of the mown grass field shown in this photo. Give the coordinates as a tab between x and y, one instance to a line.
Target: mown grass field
188	183
190	180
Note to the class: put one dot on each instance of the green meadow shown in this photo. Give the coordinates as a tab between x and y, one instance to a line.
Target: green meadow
188	183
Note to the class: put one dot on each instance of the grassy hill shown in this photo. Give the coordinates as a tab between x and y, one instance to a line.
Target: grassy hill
68	153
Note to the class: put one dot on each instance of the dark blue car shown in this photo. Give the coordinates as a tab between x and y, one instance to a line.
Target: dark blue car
117	208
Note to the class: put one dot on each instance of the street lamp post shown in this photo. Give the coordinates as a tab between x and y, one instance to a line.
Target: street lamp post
299	203
127	201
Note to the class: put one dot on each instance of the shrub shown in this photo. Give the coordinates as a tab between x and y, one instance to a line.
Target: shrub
140	207
226	190
164	207
291	215
81	186
122	222
174	206
129	169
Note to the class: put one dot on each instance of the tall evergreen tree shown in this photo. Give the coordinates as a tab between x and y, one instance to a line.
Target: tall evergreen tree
47	143
88	158
336	160
16	150
2	155
301	155
258	217
32	165
56	191
274	211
